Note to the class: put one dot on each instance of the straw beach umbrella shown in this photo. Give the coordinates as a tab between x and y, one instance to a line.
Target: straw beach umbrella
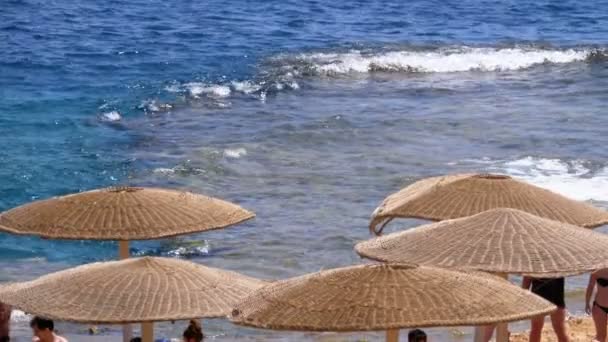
386	297
460	195
497	241
134	290
123	214
502	241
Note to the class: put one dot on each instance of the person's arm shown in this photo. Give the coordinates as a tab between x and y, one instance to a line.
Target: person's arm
589	292
526	282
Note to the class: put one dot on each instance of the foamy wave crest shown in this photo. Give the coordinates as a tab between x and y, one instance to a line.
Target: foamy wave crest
20	316
111	116
246	87
437	60
179	170
196	89
153	106
576	179
289	72
260	87
235	153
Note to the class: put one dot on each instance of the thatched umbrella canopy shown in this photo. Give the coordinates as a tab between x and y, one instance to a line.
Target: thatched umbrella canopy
497	241
134	290
122	213
386	297
461	195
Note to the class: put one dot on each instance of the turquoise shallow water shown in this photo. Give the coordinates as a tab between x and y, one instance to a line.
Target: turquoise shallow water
308	113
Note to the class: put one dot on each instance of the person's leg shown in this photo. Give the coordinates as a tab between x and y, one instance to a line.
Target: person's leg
536	328
558	319
488	331
599	318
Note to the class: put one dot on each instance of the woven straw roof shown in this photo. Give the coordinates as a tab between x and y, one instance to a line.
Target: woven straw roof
498	240
123	213
454	196
132	290
385	296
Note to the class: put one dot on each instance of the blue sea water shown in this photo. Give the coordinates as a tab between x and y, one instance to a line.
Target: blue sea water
307	112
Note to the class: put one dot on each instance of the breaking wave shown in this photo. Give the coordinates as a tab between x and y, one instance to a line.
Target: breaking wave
288	72
440	60
578	179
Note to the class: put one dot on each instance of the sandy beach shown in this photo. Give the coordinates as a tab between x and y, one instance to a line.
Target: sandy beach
580	329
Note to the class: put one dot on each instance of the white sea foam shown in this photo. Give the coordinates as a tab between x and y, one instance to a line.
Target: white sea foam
20	316
196	89
164	171
573	179
246	87
443	60
285	71
173	88
154	106
110	116
235	153
177	170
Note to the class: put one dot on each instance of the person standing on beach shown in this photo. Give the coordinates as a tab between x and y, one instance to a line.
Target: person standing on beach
44	331
599	309
551	289
5	322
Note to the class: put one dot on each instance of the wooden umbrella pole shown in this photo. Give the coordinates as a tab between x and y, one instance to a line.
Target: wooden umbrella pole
123	249
480	333
123	253
392	335
147	332
502	330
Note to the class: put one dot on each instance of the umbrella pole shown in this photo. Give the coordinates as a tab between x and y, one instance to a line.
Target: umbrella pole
123	250
147	332
502	330
482	332
392	335
123	253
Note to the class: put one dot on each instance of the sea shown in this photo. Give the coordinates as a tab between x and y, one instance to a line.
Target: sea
306	112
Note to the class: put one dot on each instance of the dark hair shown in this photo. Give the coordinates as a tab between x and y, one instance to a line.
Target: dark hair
42	323
135	339
194	331
416	336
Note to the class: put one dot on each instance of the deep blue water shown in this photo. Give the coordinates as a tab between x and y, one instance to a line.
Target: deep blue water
307	112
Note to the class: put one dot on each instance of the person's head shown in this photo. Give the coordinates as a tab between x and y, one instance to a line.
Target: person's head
193	332
42	327
416	335
135	339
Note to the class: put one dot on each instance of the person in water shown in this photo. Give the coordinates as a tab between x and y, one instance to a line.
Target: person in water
5	322
551	289
194	332
44	330
599	308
